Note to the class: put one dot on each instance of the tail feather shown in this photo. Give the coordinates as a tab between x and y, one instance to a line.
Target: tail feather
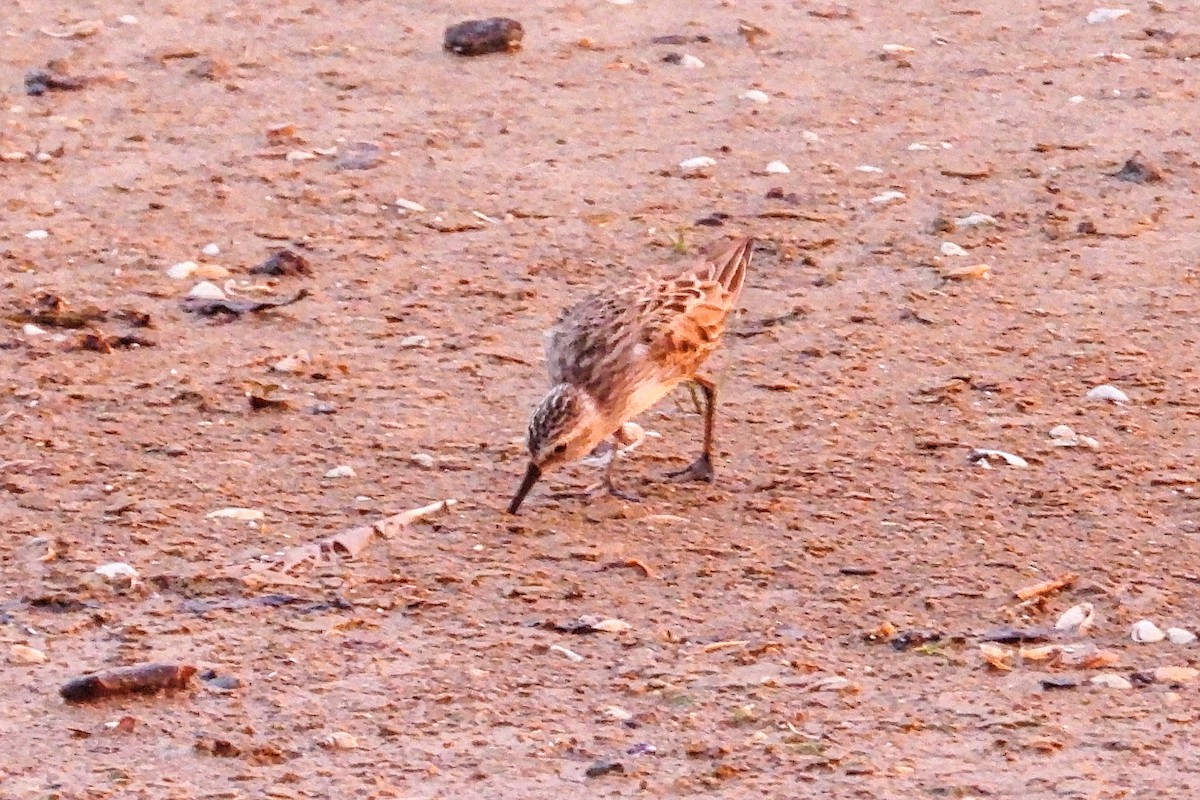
730	265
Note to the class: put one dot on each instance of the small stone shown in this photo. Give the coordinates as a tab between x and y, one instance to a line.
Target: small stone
422	460
1146	632
1175	674
211	250
1107	392
617	713
408	205
755	96
810	137
1111	680
37	235
1100	15
299	155
697	164
477	37
118	573
1076	618
689	61
868	168
888	197
409	342
952	249
29	329
1180	636
1065	436
974	220
127	19
25	655
777	168
341	471
339	740
205	290
296	362
183	269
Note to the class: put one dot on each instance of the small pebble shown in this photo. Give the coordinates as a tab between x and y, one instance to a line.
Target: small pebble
974	220
1111	680
696	164
29	329
755	96
477	37
408	205
1180	636
341	471
777	168
339	741
409	342
1107	392
1099	15
689	61
810	137
127	19
25	655
888	197
38	235
952	249
207	291
1175	674
117	572
211	250
1146	632
868	168
422	460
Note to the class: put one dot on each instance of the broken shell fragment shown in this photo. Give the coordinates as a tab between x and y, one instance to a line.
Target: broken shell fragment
1107	392
1076	618
1180	636
1146	632
981	456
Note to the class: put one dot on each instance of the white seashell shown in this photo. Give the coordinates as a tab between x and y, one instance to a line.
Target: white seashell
29	329
339	741
697	163
211	250
982	455
299	155
38	235
888	197
974	220
952	249
1099	15
341	471
1065	436
26	655
241	514
612	626
207	291
1075	99
1116	57
570	654
617	713
1078	617
116	570
777	168
127	19
1109	393
409	342
868	168
898	49
422	460
755	96
1111	680
810	137
409	205
183	269
689	61
1180	636
1146	632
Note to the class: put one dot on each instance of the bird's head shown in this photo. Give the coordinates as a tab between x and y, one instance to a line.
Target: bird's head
564	428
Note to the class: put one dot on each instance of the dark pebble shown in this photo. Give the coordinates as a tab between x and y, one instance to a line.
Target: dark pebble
477	37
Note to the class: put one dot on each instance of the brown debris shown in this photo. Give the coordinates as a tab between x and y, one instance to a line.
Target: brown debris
52	311
284	262
40	81
1047	587
234	308
1138	170
140	679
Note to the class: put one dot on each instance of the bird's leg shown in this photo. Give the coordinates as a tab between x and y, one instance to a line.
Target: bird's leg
608	486
702	469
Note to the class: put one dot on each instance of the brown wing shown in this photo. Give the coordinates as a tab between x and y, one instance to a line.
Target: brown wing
689	317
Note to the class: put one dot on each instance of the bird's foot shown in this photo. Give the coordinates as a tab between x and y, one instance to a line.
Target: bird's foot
699	470
605	489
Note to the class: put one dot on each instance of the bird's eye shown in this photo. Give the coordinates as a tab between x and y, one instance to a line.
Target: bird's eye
560	449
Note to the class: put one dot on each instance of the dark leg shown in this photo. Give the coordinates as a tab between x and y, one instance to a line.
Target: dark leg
701	469
608	485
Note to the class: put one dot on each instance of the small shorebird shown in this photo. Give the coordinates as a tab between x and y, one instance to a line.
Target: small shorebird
618	352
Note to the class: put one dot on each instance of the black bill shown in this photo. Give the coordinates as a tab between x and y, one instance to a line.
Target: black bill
531	477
